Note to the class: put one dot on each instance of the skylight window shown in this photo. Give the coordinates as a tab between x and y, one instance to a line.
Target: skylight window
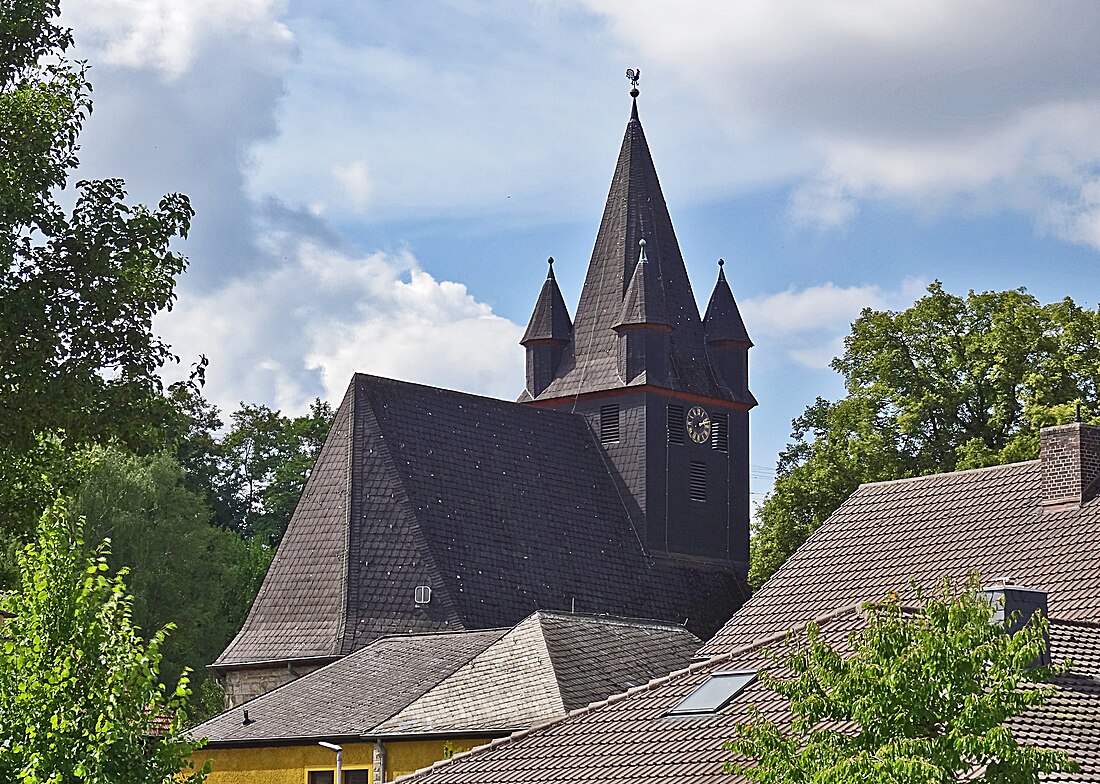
713	694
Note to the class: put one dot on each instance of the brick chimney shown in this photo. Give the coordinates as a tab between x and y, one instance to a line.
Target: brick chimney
1071	464
1018	603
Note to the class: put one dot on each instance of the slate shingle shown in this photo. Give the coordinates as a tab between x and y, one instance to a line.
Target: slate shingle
472	682
635	210
502	509
629	737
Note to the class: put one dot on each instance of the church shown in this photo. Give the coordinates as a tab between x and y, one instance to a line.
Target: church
617	483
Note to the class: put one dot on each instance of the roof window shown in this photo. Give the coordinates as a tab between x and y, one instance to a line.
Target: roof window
713	694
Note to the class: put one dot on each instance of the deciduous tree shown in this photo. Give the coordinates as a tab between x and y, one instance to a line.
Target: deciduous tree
948	383
80	695
919	697
78	289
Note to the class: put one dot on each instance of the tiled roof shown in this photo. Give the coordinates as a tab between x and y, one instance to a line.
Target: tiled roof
887	534
502	509
352	695
547	665
644	301
299	612
635	210
629	738
723	319
550	319
477	682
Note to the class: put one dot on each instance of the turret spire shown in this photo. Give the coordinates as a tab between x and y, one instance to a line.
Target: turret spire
728	341
635	210
547	334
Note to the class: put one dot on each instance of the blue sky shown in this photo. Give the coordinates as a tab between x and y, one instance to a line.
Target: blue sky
378	184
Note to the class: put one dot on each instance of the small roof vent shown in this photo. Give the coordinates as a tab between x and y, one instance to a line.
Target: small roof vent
422	594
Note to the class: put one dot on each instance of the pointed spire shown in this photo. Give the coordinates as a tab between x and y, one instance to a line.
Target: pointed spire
550	319
723	320
615	295
644	303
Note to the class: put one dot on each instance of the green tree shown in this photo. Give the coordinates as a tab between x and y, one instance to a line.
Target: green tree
80	695
921	697
182	570
253	474
78	290
949	383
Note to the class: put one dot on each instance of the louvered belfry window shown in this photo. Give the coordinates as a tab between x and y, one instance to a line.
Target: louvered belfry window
720	433
675	424
698	482
609	424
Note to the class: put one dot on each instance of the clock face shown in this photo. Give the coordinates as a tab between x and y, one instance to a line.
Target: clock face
698	424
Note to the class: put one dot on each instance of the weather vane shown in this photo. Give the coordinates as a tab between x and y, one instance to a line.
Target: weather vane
633	75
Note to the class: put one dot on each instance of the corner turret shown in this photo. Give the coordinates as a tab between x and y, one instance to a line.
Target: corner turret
728	341
643	326
548	332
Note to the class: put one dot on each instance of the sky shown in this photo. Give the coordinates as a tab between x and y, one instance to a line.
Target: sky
378	184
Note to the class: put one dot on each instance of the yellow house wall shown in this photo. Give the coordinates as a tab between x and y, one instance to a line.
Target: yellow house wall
290	764
406	756
280	764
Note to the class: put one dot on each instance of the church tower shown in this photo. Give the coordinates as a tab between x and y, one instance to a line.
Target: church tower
665	392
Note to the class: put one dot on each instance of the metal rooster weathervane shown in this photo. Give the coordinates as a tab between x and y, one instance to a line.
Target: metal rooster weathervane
634	75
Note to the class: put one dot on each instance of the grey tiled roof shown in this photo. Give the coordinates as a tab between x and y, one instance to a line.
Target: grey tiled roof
629	738
723	319
349	697
475	682
921	529
501	508
635	210
550	319
547	665
644	301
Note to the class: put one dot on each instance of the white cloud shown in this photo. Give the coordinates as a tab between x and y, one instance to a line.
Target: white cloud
933	105
809	325
356	182
299	329
169	35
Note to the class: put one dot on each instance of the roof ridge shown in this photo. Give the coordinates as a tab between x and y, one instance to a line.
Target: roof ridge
621	620
614	698
960	472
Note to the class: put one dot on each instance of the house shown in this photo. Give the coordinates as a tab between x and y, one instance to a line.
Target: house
405	701
1037	522
618	483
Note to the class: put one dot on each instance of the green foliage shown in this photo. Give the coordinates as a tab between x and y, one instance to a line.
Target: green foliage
80	695
949	383
182	570
253	475
922	697
78	292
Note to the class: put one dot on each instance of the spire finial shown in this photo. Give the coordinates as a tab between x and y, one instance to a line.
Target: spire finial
721	262
633	74
550	273
642	259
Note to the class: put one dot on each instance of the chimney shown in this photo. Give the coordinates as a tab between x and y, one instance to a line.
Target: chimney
1071	464
1011	601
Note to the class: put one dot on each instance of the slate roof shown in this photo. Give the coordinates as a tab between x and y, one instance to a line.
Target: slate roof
628	737
889	533
635	210
502	509
723	319
550	319
644	301
465	682
349	697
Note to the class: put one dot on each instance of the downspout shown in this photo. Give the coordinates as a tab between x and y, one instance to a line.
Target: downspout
379	772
